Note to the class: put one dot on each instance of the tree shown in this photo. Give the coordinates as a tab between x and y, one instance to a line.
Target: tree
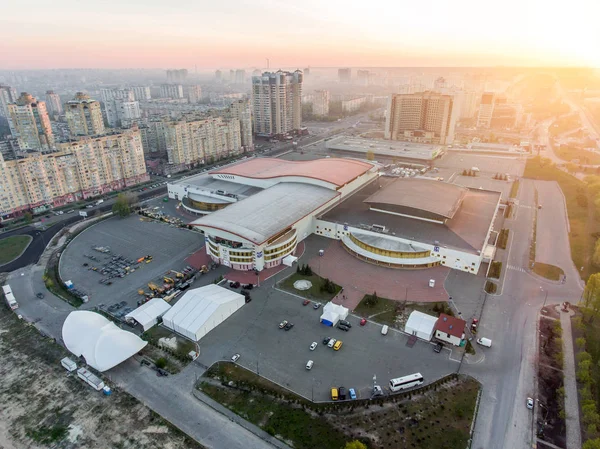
591	295
370	155
122	206
161	362
358	445
28	217
596	256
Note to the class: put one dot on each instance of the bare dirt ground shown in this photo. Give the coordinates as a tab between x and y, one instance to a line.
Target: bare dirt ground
44	406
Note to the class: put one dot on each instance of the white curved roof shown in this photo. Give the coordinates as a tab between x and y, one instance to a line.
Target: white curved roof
98	340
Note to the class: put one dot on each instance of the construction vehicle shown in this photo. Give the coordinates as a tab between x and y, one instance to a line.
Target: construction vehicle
141	292
152	286
204	269
149	260
178	275
168	280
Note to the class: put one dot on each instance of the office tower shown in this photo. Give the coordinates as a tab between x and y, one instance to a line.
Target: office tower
141	93
88	167
218	75
277	102
53	103
320	102
344	75
486	110
174	91
30	124
7	95
84	116
440	84
242	110
194	94
425	117
240	76
121	108
177	76
363	77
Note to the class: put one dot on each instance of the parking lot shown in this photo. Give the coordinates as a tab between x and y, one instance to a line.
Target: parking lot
131	238
487	164
485	183
281	356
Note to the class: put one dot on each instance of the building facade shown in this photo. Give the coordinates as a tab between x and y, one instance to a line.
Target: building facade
240	76
353	104
141	93
30	124
53	103
171	91
428	116
242	111
277	103
344	75
7	95
194	94
122	110
320	102
177	76
486	110
84	116
78	170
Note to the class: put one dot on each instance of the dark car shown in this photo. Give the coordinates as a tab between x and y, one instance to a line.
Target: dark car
342	327
326	340
248	286
438	347
342	393
248	299
234	284
305	302
40	295
288	326
345	323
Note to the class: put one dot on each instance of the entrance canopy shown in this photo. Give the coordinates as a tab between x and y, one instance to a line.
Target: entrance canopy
289	260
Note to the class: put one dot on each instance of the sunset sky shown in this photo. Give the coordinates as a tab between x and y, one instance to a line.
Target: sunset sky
242	33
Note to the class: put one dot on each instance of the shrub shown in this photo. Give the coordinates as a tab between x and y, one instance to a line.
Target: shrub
161	362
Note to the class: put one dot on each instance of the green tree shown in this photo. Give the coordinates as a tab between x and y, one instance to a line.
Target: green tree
358	445
370	155
122	206
161	362
591	296
28	217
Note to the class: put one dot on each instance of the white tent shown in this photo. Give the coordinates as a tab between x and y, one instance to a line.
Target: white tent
289	260
332	313
421	325
147	314
98	340
201	310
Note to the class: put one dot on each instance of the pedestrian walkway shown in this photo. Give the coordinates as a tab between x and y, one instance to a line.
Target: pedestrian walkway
515	268
571	401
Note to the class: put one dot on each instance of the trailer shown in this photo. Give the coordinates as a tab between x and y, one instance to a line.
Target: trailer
9	297
68	364
91	379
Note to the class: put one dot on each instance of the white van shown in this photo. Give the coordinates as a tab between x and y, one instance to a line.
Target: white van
384	329
485	342
68	364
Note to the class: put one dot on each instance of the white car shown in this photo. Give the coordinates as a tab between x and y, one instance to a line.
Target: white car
235	357
530	403
331	342
313	346
309	364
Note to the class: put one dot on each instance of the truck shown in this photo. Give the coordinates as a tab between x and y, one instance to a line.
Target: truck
485	342
68	364
10	299
90	378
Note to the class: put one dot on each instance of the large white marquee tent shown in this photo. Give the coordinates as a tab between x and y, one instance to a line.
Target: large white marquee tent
421	325
202	309
332	313
147	314
98	340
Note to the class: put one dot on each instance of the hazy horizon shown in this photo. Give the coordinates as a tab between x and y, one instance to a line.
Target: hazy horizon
527	33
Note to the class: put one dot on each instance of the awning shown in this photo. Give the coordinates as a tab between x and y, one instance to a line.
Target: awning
289	260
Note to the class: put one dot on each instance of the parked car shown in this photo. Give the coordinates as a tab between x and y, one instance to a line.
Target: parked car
234	284
313	346
40	295
352	393
326	340
342	393
377	391
530	403
363	322
248	286
345	323
343	327
283	324
334	394
248	299
306	302
337	345
316	305
288	326
331	342
309	364
438	347
235	357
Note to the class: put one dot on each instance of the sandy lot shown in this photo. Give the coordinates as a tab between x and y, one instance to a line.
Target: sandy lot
44	406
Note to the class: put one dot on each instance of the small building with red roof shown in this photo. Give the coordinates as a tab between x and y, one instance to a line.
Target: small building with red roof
450	329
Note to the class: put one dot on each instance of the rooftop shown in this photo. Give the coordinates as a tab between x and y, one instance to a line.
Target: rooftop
206	182
466	230
451	325
422	194
269	212
333	170
390	148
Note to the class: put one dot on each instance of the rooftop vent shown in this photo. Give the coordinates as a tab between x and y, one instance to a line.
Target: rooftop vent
445	319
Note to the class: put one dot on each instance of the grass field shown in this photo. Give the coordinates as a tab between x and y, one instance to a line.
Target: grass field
548	271
395	313
434	417
12	247
579	209
314	293
582	156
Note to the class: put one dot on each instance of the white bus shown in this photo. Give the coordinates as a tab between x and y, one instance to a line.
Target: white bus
10	299
403	383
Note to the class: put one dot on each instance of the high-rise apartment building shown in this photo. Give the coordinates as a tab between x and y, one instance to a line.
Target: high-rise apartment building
240	76
78	170
7	95
232	76
176	76
277	102
84	116
218	75
171	91
363	77
53	103
486	110
320	102
194	94
30	124
120	106
242	111
344	75
141	93
425	117
440	85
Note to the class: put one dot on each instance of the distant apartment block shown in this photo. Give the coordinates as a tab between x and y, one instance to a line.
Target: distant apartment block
277	103
440	85
84	116
506	115
7	95
425	117
218	75
171	91
121	108
141	93
53	103
353	104
29	123
177	76
363	77
320	102
78	170
194	94
486	110
344	75
240	76
242	111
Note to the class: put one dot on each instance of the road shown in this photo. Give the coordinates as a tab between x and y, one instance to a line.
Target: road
508	372
584	115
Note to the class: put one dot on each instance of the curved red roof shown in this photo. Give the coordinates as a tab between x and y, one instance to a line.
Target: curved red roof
333	170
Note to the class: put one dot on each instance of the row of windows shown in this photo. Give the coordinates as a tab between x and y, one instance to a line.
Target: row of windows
282	252
388	253
392	265
281	248
201	205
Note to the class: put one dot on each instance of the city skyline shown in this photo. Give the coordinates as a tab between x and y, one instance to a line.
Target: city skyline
136	34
